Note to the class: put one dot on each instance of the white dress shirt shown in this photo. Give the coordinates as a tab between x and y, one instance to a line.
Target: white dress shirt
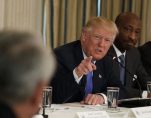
77	79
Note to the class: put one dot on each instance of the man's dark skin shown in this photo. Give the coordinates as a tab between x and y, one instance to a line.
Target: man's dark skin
129	26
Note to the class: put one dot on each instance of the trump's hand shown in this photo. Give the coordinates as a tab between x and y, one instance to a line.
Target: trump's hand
93	99
85	67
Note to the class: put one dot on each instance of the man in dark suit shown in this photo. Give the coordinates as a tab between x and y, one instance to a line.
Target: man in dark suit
145	51
131	71
25	68
78	59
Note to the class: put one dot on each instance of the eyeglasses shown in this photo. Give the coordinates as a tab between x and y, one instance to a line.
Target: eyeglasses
99	38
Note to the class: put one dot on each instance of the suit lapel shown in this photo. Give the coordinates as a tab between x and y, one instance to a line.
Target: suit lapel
98	77
129	79
116	69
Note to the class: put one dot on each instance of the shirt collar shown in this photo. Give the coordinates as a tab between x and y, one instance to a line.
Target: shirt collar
118	52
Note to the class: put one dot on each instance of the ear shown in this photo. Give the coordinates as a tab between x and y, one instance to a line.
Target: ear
83	35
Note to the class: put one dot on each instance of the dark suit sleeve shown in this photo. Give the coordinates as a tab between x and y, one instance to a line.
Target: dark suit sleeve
141	73
65	88
63	85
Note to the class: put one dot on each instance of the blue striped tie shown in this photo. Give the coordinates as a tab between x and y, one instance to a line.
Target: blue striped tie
89	83
122	68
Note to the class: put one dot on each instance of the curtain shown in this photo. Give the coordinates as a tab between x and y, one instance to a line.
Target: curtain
111	8
67	17
23	15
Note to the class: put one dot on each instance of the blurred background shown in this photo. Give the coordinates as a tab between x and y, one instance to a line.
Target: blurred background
60	21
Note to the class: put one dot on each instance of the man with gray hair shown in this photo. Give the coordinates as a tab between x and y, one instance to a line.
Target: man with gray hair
25	68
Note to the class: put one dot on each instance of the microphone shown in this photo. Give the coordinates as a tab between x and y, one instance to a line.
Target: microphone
134	77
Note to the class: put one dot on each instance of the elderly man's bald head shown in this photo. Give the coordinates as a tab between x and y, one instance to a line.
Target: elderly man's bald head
129	26
122	18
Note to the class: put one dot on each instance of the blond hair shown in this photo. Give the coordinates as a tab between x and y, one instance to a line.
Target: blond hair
101	22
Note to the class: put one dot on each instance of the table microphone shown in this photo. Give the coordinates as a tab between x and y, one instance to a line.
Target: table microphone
134	77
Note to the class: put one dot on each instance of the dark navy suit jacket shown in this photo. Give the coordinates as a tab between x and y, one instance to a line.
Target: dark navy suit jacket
65	88
133	66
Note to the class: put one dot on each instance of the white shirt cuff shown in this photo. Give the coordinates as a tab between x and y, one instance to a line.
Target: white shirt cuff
77	79
104	97
144	94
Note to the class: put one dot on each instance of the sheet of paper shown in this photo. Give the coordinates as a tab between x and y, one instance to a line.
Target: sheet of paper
142	112
93	114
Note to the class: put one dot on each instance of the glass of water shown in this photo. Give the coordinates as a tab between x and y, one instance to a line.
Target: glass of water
112	97
47	97
149	89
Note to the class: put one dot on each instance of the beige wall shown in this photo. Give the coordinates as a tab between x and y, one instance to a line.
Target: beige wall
2	13
148	32
21	15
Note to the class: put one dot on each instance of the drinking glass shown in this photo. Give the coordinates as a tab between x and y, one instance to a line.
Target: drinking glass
149	89
47	97
112	97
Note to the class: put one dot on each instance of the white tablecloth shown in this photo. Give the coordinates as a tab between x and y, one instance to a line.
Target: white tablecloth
69	110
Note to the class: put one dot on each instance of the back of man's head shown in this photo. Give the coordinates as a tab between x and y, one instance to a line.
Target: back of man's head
23	65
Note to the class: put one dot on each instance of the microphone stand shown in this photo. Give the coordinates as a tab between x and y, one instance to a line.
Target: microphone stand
43	113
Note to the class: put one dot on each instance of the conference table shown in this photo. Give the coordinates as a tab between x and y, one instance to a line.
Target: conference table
70	110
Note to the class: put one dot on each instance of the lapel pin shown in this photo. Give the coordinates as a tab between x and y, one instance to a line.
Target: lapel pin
100	76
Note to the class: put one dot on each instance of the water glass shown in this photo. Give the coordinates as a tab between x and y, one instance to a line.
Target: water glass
149	89
47	97
112	97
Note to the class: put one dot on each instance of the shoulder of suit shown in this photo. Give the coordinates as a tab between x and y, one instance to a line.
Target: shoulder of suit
67	47
133	52
146	47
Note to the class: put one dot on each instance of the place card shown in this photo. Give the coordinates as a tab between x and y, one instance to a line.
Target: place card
142	112
93	114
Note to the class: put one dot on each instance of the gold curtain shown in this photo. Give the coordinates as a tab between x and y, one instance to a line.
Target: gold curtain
67	17
148	24
111	8
23	15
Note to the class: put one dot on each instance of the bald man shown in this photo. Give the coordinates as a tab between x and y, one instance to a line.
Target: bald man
127	63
